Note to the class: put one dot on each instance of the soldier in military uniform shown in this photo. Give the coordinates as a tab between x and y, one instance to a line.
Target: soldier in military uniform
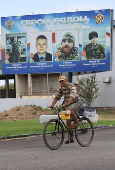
68	51
16	50
94	50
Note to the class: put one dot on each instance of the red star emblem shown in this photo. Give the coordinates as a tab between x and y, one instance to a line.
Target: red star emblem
99	18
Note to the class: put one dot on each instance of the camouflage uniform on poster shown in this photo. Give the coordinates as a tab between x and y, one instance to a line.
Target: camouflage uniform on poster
71	52
16	50
94	50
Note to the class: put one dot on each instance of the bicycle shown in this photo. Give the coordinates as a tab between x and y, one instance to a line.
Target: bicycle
54	130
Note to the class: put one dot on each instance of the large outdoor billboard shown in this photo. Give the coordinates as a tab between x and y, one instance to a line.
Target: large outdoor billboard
59	42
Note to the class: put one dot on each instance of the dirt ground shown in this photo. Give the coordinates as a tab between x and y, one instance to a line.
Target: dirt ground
31	112
24	112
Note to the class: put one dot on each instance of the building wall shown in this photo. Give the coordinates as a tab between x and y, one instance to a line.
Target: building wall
21	83
41	84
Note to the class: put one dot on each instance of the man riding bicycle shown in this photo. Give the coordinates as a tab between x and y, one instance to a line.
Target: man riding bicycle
71	102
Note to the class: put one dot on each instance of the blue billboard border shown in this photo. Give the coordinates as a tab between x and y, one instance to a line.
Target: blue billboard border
22	68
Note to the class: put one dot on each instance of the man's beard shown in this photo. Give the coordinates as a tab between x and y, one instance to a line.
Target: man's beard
66	49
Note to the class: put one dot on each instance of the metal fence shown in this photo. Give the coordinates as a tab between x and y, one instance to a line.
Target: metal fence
8	103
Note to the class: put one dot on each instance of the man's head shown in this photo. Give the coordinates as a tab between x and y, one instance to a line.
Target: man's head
68	42
15	40
41	44
93	37
63	81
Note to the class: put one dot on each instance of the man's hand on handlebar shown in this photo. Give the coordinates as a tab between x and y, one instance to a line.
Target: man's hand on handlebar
56	107
50	106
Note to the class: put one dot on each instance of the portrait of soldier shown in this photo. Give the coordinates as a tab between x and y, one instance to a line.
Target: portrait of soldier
41	46
93	50
15	50
68	51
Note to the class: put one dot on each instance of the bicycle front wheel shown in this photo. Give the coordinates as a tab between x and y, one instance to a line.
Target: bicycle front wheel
53	134
84	132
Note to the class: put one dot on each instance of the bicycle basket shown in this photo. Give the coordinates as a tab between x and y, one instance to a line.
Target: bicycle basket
65	114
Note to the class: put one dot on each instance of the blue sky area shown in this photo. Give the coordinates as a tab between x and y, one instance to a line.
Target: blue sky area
25	7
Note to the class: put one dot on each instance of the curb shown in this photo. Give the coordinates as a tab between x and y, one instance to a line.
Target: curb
19	136
100	127
35	134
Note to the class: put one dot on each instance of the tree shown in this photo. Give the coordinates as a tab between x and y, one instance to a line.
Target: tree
11	85
88	89
3	87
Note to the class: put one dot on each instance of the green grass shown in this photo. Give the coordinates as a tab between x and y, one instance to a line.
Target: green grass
8	128
20	127
105	122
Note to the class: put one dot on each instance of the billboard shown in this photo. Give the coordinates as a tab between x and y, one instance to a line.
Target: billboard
59	42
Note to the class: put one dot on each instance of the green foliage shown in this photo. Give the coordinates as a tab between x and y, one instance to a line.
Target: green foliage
40	108
89	88
17	109
6	115
34	113
37	107
11	85
3	87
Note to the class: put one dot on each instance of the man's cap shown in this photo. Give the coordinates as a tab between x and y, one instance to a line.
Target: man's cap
61	78
68	35
93	34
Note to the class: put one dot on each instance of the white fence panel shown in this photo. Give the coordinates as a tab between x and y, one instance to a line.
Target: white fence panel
8	103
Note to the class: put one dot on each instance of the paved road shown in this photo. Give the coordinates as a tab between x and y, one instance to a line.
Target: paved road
32	154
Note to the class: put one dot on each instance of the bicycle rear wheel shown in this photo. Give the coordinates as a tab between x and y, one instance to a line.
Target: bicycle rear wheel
84	132
53	134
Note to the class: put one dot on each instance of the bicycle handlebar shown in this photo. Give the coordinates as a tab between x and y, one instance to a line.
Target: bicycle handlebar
58	107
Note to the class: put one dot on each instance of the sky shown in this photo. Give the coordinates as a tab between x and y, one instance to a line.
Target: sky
25	7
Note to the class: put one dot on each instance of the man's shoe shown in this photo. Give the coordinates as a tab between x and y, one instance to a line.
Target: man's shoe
71	141
67	141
